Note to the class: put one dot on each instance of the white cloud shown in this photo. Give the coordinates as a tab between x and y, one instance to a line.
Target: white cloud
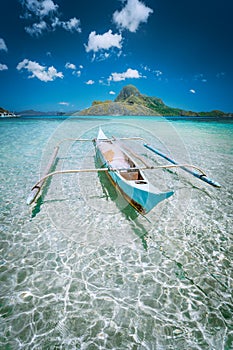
3	67
130	17
130	73
90	82
112	93
70	66
47	6
46	12
192	91
72	25
73	67
40	72
158	73
3	45
106	41
40	8
146	68
64	103
200	77
36	28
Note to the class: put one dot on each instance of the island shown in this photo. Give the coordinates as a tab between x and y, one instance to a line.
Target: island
129	102
132	103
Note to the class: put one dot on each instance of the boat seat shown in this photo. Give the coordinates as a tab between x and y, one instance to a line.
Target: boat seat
129	175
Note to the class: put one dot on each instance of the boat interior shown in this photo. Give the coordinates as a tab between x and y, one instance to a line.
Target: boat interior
118	159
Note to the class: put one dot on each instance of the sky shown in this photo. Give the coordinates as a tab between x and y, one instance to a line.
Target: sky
60	55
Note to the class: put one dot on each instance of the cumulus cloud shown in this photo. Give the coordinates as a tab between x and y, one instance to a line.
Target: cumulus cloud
39	8
90	82
70	66
3	45
192	91
112	93
72	25
130	17
105	41
78	73
36	28
146	68
130	73
158	73
47	16
73	67
40	72
3	67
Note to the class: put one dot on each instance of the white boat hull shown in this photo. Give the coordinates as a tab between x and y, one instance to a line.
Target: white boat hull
142	195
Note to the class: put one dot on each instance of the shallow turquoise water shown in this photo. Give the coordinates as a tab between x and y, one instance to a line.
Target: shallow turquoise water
81	270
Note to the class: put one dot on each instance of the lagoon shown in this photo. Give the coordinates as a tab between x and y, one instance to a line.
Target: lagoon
82	270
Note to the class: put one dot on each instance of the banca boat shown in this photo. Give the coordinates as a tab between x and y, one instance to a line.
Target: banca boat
126	175
123	172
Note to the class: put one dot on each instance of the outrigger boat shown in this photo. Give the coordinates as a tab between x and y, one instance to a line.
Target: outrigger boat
123	172
126	175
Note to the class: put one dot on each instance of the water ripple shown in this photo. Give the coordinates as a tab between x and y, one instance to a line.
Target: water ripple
85	275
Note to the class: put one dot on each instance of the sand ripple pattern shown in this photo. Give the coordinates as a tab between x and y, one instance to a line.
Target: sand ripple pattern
76	276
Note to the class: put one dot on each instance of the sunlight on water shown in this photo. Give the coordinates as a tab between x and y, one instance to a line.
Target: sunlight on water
82	270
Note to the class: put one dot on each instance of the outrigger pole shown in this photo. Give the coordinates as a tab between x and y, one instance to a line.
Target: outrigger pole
202	177
37	188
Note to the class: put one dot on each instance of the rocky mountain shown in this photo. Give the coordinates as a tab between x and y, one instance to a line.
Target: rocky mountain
116	109
131	102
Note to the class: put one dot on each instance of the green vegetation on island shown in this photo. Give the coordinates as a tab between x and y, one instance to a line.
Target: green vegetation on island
131	102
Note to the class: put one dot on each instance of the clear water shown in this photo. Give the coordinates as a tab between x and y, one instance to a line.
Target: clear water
82	270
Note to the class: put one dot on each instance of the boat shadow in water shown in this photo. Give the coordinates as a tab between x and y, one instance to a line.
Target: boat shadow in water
110	192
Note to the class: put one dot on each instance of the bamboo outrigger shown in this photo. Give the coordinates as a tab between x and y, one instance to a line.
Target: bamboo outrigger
124	173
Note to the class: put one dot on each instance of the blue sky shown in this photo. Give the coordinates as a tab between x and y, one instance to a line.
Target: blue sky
63	54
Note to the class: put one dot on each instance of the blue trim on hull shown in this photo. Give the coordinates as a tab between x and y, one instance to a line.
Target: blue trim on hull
143	200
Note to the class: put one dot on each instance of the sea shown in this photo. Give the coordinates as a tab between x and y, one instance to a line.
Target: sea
81	269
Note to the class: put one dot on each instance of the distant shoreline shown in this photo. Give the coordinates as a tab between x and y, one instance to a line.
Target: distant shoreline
104	117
